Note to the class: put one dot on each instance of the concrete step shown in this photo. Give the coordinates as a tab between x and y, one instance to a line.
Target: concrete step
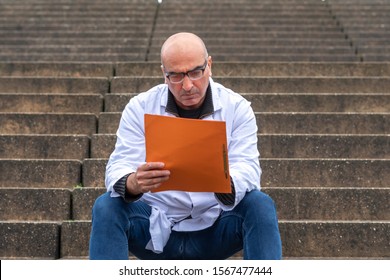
74	56
289	102
39	69
300	239
292	173
293	56
325	146
98	41
82	50
295	123
326	173
40	173
326	204
53	85
270	28
234	35
35	204
374	103
267	41
331	204
375	57
291	146
271	69
323	123
267	69
83	200
307	84
46	146
30	240
47	123
109	34
335	239
141	27
270	84
51	103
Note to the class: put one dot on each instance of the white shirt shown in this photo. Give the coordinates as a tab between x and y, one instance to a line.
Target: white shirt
170	209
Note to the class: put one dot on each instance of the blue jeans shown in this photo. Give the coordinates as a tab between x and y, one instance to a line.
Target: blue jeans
119	228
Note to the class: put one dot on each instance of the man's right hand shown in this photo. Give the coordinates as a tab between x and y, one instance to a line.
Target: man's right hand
148	176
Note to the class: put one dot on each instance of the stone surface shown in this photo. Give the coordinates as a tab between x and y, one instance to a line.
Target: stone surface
47	123
31	240
53	85
44	146
38	173
325	173
83	200
35	69
50	103
35	204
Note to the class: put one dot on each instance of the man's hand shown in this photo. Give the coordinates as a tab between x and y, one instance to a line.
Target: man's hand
147	177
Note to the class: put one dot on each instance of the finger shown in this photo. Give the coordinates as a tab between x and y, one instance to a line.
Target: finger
154	165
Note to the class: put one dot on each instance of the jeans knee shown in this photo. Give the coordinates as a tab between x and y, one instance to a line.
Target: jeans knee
259	203
103	206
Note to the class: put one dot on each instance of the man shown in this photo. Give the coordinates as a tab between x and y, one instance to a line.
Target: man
178	224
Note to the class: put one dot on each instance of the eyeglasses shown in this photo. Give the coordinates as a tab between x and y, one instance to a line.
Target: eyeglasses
194	74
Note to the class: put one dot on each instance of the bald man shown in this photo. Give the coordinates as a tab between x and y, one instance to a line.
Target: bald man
177	224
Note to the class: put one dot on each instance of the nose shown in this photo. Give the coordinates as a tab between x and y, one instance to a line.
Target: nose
187	83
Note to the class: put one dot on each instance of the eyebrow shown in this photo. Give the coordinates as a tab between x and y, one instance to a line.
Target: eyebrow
196	68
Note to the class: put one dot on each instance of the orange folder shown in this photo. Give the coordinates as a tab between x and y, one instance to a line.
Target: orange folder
195	152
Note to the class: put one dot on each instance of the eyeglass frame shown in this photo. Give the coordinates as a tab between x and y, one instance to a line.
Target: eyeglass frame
202	68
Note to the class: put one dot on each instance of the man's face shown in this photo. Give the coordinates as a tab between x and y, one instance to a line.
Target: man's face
190	92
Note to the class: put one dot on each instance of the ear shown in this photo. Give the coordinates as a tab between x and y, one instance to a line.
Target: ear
209	63
165	78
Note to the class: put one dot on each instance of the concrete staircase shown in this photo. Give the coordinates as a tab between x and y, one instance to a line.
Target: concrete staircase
320	89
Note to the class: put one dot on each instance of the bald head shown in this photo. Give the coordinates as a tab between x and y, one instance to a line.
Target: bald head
181	46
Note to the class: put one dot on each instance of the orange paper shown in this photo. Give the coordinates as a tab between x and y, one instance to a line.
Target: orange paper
194	151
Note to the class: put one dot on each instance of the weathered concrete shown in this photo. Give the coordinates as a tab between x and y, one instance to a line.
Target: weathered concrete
323	123
25	204
49	123
289	102
331	204
49	103
93	173
295	123
44	146
54	69
30	240
325	173
334	240
271	69
102	145
36	173
291	146
75	239
270	84
83	200
53	85
294	173
108	122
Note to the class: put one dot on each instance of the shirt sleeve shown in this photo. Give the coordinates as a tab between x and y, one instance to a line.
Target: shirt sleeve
129	150
244	156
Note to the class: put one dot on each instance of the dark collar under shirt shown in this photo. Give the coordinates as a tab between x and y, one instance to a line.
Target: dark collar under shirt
206	109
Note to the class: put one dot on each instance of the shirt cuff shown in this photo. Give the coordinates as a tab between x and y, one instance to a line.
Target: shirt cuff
120	188
227	199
